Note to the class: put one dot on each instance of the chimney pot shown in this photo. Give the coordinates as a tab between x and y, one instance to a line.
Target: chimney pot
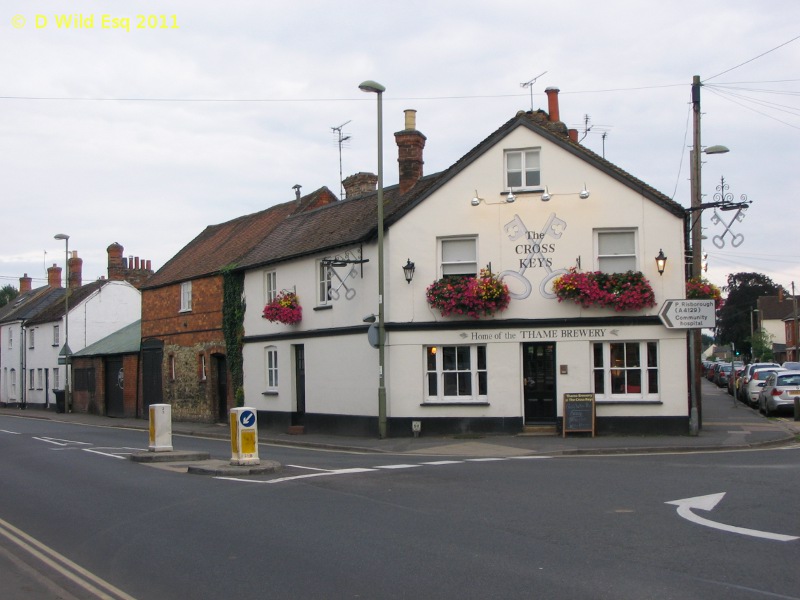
573	135
410	144
411	118
552	103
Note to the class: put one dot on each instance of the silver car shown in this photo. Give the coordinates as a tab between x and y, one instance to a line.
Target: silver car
753	387
747	374
779	391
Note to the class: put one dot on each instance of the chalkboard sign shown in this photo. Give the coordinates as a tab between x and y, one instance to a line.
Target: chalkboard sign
578	413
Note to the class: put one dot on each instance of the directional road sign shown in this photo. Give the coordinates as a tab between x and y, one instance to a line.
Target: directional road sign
688	314
247	418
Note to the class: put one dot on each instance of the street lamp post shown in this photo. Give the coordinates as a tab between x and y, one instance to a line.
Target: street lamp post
696	228
374	87
65	349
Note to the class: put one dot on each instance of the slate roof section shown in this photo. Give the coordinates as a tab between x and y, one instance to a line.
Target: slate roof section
127	340
776	307
30	304
55	309
354	220
221	245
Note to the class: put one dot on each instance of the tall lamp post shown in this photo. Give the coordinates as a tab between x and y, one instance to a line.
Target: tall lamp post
696	228
65	350
373	87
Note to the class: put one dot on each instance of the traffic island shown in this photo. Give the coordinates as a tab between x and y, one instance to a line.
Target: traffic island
169	456
223	468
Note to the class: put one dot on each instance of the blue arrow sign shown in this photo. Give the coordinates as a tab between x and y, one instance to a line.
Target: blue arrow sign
247	418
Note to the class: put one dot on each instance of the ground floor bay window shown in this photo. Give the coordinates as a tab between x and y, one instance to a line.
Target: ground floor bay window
455	374
626	370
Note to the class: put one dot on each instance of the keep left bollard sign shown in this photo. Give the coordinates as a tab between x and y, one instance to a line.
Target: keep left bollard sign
244	437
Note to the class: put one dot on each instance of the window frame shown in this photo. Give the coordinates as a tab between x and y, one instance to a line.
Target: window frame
449	268
56	379
31	339
647	372
56	338
523	169
271	373
201	368
476	373
270	286
598	258
324	282
186	296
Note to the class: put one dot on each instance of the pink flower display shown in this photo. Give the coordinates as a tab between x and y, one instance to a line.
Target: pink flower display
285	308
698	288
620	291
475	297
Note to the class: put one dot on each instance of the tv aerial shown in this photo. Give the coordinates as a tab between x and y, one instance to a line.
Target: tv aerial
529	85
341	138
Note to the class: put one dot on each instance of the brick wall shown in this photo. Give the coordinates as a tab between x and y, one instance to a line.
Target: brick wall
188	338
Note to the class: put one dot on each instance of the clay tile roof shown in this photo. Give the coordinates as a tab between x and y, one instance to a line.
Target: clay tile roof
225	244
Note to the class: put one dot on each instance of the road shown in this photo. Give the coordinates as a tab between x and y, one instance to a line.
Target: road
348	525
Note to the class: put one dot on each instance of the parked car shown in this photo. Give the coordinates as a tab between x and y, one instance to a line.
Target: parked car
753	387
734	380
712	371
748	373
791	365
722	373
779	391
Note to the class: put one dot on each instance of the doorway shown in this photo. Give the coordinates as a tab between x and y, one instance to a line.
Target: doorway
115	384
298	416
539	382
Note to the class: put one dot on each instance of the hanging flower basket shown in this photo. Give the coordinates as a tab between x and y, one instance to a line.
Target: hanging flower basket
620	291
476	297
285	308
698	288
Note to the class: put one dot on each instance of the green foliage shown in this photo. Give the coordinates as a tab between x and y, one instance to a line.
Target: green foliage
761	344
744	289
233	307
7	294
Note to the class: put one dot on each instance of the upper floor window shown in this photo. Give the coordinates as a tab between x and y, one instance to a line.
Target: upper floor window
55	335
323	283
10	339
186	296
31	338
616	250
522	168
270	286
459	256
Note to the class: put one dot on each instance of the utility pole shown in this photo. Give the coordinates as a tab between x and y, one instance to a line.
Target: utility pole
695	222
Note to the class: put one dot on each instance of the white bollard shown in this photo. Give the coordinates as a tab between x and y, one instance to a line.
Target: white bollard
244	437
160	428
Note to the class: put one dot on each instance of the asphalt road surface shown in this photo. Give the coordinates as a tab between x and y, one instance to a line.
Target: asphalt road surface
79	520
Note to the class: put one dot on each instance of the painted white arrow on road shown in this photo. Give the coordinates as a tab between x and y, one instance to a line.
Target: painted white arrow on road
686	505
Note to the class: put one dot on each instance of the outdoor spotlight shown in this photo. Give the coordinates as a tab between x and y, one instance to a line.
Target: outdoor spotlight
546	195
584	193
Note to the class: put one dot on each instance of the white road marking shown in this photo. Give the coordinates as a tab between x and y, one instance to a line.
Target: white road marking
686	505
528	457
396	466
437	463
282	479
11	432
113	452
60	442
483	459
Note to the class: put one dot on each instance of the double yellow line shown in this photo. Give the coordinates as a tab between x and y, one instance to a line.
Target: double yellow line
75	573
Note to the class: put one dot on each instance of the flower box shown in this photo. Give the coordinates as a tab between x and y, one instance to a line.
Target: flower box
476	297
620	291
698	288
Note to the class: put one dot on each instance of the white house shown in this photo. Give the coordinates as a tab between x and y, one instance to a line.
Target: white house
528	203
38	332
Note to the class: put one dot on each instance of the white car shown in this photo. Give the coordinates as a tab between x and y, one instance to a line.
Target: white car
745	378
756	382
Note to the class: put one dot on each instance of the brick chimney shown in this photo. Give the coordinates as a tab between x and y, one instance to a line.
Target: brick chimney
54	276
552	103
360	183
133	269
410	144
75	266
24	284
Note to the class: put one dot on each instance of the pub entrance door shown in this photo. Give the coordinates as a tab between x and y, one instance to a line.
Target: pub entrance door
539	379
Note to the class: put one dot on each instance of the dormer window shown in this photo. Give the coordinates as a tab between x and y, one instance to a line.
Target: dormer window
522	169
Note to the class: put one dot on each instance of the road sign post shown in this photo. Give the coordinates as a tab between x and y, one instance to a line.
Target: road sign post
244	437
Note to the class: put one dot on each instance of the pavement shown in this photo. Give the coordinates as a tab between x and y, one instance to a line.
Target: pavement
726	425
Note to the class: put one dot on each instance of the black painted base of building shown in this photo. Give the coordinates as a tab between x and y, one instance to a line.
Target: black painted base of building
353	425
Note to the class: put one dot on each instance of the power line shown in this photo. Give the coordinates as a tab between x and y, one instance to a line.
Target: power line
752	59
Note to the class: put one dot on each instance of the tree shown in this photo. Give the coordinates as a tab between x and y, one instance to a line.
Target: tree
744	290
7	294
761	345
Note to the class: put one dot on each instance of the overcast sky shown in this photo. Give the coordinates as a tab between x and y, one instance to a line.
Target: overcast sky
144	137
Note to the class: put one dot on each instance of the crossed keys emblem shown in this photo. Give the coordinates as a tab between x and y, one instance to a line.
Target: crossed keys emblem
736	238
724	198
